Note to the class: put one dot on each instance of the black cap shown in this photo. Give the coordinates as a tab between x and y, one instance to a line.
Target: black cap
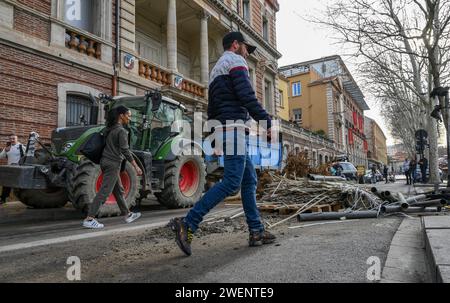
239	37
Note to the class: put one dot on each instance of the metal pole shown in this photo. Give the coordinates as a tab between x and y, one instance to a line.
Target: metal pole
431	203
338	215
411	210
447	110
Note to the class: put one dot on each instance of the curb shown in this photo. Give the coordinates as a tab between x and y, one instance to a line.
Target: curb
437	243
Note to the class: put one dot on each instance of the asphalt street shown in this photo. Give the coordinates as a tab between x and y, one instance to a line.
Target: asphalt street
146	251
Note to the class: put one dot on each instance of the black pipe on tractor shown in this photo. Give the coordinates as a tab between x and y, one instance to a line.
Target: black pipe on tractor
115	78
94	110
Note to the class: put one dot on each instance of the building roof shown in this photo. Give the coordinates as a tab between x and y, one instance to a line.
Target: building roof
274	4
349	82
376	124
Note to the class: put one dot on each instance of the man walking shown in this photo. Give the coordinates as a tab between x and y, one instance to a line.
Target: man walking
407	172
423	163
373	176
231	98
386	174
413	170
13	151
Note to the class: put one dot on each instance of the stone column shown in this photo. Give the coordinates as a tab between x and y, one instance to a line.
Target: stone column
204	48
172	47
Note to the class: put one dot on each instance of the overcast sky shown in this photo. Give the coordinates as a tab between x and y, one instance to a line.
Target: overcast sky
299	40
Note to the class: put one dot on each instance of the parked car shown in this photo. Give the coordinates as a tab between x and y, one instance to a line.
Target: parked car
419	174
368	176
348	170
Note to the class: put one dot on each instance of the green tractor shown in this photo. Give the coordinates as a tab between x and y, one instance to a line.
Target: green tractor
53	175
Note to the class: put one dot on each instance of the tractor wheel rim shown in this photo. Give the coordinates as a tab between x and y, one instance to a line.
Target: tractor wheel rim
189	178
126	184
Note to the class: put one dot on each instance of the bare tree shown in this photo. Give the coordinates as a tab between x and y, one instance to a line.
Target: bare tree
406	40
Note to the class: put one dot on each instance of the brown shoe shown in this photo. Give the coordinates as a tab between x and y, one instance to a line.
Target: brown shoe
261	238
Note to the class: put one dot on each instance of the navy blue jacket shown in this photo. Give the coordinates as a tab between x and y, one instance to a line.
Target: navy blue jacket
231	95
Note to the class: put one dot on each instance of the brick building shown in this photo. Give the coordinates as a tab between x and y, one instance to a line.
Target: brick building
54	53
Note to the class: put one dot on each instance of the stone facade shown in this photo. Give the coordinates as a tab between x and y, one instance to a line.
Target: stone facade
46	58
377	148
330	102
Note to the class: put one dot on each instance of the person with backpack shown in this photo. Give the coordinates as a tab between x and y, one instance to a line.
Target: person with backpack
13	152
116	151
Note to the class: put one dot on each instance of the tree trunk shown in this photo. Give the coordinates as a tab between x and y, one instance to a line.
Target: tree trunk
433	141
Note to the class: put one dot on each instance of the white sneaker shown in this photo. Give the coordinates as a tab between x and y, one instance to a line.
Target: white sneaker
92	224
132	217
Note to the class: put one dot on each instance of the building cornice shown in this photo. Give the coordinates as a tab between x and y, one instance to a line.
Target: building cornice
236	18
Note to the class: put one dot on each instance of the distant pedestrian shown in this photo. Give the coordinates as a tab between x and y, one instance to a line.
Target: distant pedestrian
374	174
13	151
413	170
338	169
407	172
333	170
386	174
116	151
423	163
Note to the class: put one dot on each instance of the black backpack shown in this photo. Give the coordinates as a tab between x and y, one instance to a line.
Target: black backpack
93	149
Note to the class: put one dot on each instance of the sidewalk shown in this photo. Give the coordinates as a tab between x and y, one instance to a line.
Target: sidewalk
406	261
437	244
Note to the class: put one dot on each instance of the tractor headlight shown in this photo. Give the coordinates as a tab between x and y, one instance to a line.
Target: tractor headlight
67	147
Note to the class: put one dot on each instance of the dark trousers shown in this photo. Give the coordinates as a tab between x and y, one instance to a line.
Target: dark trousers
6	191
111	184
424	175
408	177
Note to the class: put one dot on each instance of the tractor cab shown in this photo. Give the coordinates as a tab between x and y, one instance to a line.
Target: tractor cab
152	120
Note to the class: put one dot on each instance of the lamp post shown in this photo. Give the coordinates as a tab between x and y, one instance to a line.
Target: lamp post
439	92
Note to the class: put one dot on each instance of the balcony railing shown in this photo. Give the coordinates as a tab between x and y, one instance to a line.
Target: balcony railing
83	44
193	88
154	73
158	74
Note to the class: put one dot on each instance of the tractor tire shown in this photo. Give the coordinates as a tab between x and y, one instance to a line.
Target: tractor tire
42	199
86	180
184	182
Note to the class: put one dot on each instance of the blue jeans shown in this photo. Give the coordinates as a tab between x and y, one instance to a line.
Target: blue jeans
239	174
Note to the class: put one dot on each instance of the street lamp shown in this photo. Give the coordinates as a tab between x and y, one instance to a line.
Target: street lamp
437	114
